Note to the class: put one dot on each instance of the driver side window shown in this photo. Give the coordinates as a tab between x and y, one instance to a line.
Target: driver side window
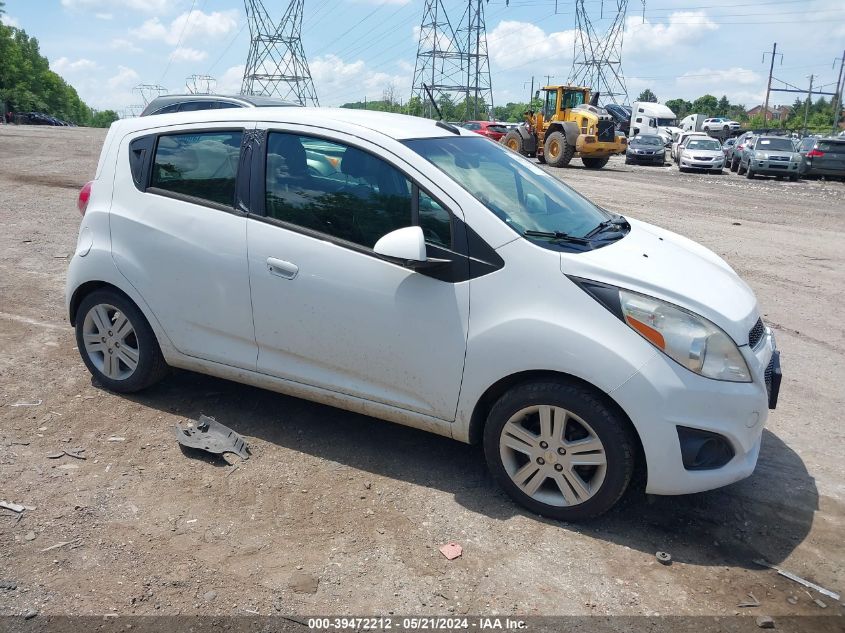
345	192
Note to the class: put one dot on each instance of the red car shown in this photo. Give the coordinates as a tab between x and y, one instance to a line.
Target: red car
490	129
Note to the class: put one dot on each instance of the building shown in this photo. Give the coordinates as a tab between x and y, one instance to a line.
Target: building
776	113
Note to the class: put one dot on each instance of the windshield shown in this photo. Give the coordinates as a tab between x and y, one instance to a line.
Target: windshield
647	140
775	144
703	143
667	122
519	193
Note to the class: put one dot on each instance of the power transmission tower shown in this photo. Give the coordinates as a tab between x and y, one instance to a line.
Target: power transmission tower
276	65
148	92
200	84
598	55
453	62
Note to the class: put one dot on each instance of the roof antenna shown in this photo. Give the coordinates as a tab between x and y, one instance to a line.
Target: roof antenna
441	122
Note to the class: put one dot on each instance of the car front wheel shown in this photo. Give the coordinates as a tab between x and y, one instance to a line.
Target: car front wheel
117	344
559	450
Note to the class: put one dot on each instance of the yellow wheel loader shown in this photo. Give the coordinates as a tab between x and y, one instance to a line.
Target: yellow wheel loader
569	123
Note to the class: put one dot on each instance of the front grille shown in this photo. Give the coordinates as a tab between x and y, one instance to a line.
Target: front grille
785	158
702	158
607	131
756	333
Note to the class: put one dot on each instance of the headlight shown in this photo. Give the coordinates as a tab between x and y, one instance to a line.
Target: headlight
762	155
687	338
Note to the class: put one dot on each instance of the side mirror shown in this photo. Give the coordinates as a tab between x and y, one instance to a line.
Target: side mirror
407	247
407	244
537	95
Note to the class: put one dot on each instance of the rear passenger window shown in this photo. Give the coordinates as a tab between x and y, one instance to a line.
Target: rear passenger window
202	165
335	189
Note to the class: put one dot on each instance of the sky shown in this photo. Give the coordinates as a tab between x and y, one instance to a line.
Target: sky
356	48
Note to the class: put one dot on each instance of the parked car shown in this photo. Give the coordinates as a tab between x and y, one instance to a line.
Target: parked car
621	116
646	148
682	139
742	142
727	149
587	348
701	153
490	129
39	118
168	104
719	124
822	157
770	156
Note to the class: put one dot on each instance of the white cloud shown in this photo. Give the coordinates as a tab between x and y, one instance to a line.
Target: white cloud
683	28
191	25
530	42
125	78
337	81
104	16
123	45
229	83
8	20
182	54
720	78
146	6
63	65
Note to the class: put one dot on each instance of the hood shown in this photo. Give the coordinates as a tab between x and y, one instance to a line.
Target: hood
668	266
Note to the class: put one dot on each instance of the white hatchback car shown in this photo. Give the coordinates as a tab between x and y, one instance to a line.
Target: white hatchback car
422	274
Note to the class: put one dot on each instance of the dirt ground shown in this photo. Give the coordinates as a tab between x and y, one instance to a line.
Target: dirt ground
336	513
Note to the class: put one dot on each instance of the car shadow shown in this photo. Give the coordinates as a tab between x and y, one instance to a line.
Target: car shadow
763	517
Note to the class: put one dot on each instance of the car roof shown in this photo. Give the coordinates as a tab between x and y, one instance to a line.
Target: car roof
396	126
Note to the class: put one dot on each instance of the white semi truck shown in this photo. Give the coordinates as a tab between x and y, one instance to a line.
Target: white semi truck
654	118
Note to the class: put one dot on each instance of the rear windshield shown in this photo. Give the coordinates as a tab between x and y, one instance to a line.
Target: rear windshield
775	144
832	146
497	128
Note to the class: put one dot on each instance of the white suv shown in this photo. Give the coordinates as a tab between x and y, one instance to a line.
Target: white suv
717	124
422	274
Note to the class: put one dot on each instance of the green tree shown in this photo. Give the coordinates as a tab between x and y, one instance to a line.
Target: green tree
647	95
680	107
723	106
708	104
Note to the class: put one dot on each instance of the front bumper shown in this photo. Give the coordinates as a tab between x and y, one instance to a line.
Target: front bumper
691	163
774	168
663	396
590	146
658	158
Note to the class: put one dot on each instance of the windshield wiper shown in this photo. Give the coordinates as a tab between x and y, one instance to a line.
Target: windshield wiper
606	224
556	235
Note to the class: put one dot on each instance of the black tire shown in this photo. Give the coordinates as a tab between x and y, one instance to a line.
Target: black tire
513	140
740	170
793	178
561	151
541	158
734	165
749	173
627	161
682	169
595	163
151	366
608	424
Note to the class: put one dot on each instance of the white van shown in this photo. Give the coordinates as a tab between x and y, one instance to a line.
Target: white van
419	273
654	118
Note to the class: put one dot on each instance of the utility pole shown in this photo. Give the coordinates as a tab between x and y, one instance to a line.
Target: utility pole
807	105
530	94
837	100
769	85
549	79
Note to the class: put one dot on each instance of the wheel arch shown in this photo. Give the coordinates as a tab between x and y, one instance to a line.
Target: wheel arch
495	391
569	129
86	289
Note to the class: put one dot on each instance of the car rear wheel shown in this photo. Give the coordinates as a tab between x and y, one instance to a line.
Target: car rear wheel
749	173
117	344
734	164
559	450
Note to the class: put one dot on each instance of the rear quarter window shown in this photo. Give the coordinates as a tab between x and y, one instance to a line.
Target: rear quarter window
202	165
832	146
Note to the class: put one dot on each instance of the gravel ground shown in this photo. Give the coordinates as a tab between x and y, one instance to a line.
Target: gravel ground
339	513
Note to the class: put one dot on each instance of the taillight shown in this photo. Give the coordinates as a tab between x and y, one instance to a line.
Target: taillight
815	153
84	197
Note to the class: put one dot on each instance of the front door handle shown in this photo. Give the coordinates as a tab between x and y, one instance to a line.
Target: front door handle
281	268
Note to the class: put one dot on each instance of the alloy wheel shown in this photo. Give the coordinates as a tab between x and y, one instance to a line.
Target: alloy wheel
110	341
552	455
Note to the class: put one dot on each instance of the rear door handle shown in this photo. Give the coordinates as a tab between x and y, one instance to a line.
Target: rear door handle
281	268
